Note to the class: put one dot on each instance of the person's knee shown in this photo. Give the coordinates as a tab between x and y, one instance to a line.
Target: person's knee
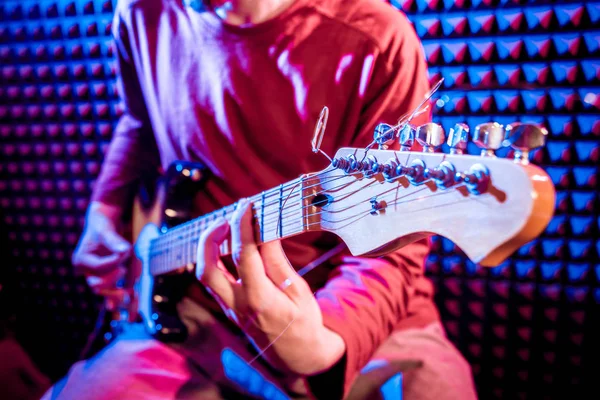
126	367
441	377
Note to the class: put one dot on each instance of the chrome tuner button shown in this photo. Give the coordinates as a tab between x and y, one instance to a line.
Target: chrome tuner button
353	164
343	163
377	168
443	175
389	170
401	170
524	138
370	166
340	163
350	164
477	179
384	135
406	137
458	138
431	136
416	172
489	138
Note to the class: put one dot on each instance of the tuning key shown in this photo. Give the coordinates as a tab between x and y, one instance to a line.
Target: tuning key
489	137
384	135
444	175
524	138
415	172
406	137
431	136
477	179
458	137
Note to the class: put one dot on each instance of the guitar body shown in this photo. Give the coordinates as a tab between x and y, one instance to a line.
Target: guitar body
155	210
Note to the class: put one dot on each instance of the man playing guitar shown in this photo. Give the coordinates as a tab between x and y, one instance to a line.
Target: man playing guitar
238	86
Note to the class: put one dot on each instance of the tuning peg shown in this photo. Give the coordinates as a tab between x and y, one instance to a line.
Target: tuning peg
458	137
489	137
383	135
523	138
406	137
431	136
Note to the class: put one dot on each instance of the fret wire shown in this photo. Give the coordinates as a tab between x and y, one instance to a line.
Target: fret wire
167	238
280	210
262	217
169	263
290	186
297	226
183	239
194	238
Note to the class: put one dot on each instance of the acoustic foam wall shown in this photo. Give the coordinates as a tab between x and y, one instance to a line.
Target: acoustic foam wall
529	327
58	106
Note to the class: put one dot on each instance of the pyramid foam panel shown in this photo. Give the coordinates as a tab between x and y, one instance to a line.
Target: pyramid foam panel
528	327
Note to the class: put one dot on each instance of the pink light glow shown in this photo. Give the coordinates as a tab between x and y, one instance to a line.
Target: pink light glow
365	75
345	62
294	72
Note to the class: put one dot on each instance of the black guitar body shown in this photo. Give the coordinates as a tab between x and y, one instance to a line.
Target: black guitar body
168	202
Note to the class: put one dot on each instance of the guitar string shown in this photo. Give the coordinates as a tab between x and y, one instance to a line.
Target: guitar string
320	183
285	217
273	192
202	224
355	218
295	221
302	207
405	162
213	215
256	207
226	209
164	267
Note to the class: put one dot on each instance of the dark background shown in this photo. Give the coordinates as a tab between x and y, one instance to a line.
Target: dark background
528	327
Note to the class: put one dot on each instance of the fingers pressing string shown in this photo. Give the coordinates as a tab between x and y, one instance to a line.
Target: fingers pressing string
209	268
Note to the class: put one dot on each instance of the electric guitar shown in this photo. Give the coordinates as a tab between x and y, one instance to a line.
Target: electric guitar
375	199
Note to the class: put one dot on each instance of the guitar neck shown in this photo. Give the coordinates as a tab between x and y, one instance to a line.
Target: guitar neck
277	213
486	205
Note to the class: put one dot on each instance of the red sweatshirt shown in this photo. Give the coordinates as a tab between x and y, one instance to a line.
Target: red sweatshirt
244	101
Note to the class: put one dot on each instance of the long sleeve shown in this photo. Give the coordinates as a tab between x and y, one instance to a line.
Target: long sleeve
366	298
132	152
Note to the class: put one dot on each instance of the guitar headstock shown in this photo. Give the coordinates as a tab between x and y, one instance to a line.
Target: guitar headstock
378	199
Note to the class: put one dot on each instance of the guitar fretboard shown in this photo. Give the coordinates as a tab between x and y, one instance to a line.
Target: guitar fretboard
277	214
